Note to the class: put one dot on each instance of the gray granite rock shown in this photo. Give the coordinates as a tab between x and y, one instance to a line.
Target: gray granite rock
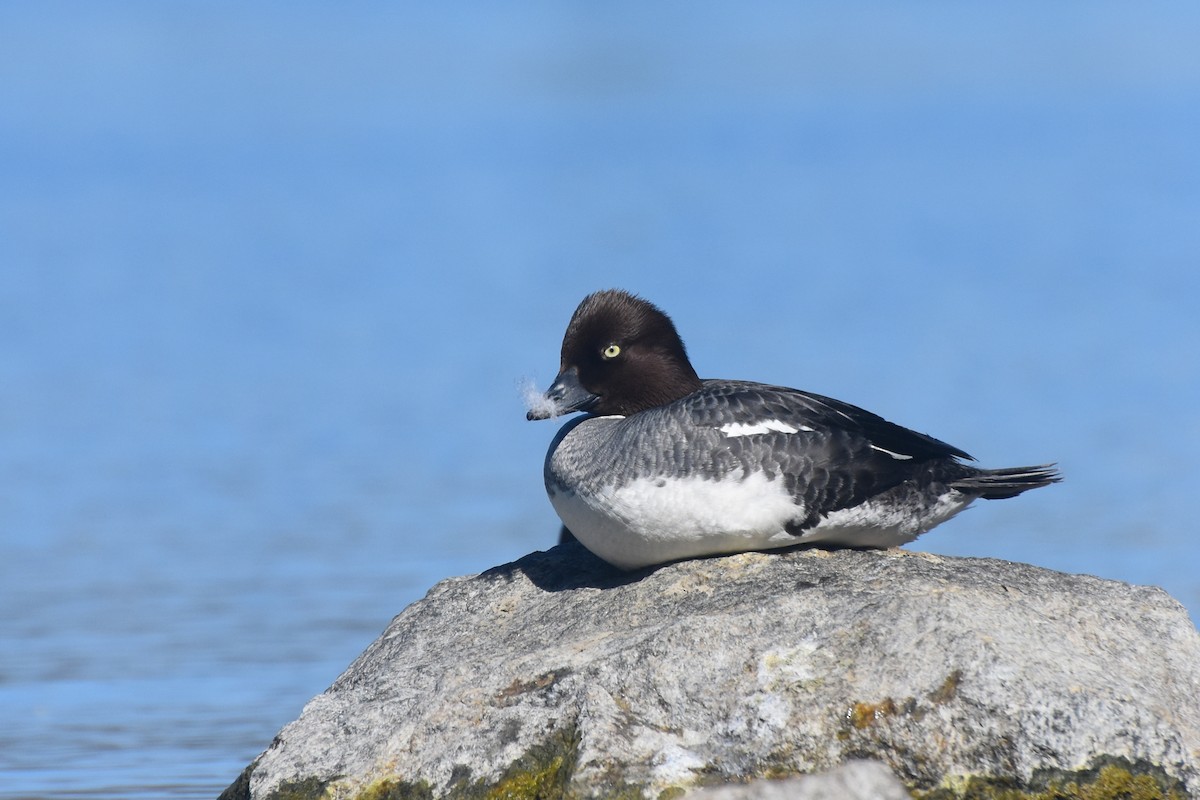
558	675
854	780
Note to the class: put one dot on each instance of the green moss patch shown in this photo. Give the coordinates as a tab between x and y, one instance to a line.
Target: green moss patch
396	789
1113	779
240	788
307	789
542	773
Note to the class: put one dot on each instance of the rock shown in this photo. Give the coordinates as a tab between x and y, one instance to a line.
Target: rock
854	780
556	675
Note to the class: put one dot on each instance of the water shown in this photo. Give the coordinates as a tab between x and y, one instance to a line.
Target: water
271	276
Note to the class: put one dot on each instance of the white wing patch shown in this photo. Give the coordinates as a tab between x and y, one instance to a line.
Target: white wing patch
734	429
897	456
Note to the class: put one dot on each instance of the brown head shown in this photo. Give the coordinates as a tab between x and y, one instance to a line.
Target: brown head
620	355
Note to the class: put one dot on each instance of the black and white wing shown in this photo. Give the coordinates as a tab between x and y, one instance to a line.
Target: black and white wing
831	454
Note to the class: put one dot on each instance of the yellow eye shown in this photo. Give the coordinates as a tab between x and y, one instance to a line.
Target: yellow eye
612	351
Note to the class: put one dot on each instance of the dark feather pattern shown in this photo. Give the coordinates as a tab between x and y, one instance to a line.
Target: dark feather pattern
832	463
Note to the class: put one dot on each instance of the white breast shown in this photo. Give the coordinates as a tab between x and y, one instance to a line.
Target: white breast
652	520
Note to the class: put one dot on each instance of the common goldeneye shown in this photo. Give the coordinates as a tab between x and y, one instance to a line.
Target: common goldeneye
665	466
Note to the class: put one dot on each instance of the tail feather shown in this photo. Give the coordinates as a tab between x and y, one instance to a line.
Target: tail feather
998	484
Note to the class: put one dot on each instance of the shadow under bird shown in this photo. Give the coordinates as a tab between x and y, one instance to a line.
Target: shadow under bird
665	466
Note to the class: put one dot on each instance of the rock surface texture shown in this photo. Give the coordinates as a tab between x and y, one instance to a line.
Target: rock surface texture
558	676
854	780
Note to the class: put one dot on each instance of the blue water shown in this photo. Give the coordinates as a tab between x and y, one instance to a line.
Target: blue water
271	274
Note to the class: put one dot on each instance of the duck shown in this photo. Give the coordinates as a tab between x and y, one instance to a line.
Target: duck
660	465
